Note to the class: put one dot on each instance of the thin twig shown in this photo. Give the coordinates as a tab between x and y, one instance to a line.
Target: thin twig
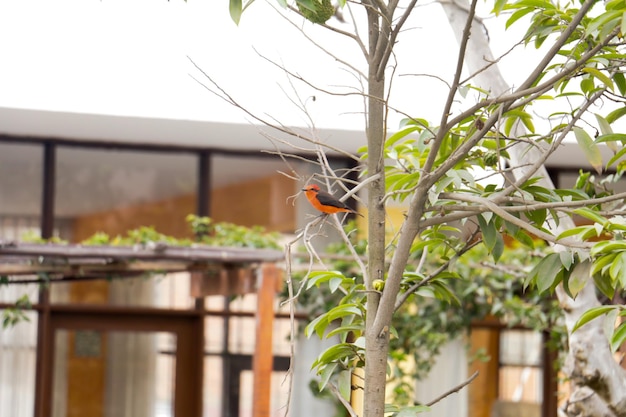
405	295
342	400
453	390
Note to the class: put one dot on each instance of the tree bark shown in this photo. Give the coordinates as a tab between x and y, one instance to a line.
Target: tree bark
376	344
598	382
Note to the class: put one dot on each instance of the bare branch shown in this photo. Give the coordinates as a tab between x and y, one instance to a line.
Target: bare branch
453	390
352	36
405	296
342	400
393	36
452	93
493	207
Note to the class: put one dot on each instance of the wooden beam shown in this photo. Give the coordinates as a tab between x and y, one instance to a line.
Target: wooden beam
87	269
262	364
152	251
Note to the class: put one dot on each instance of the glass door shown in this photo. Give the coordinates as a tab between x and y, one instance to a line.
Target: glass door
110	364
113	374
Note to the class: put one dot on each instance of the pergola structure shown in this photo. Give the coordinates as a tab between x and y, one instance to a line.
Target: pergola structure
214	270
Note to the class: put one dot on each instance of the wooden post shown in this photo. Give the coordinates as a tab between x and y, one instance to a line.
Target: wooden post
483	392
549	405
262	362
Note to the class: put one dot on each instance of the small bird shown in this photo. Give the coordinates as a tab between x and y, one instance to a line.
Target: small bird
325	202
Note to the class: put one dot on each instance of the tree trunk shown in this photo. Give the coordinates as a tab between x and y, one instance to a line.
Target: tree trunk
376	345
590	365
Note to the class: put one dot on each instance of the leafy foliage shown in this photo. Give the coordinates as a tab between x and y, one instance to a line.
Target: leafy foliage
206	231
13	315
441	310
470	193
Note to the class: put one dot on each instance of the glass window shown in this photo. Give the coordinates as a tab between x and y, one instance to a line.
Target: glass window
213	385
20	189
521	375
113	191
17	367
239	183
20	209
279	394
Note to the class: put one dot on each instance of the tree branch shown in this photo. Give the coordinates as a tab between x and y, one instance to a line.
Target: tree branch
453	390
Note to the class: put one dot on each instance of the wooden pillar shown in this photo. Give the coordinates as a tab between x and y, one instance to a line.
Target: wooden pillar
549	405
262	362
45	356
483	392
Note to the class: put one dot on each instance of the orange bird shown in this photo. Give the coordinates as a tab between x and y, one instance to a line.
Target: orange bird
325	202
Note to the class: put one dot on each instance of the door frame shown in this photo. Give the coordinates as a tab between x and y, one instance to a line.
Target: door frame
188	326
236	364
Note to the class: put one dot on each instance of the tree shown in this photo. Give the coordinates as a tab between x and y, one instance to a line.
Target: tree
434	169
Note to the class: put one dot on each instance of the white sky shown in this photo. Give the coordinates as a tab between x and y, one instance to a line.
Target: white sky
129	57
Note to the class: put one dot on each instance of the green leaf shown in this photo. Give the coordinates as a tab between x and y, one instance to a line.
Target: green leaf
605	126
326	372
538	217
498	6
605	79
344	384
354	328
518	14
617	157
616	114
567	259
334	283
578	278
617	271
524	238
603	20
319	277
442	292
498	248
591	215
235	9
317	325
618	338
548	271
335	353
604	285
612	137
608	246
587	85
399	135
589	148
618	78
344	310
489	232
516	114
307	4
580	230
591	314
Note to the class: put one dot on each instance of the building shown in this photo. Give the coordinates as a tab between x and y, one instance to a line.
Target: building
72	175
